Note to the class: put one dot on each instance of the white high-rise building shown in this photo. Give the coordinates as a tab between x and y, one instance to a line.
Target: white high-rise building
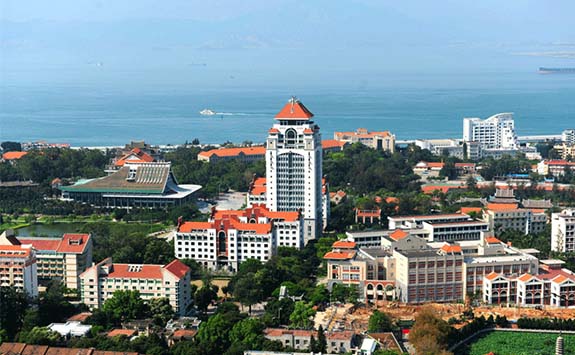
495	132
563	231
293	166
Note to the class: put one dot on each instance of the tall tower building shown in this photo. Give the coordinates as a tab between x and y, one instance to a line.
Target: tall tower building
293	166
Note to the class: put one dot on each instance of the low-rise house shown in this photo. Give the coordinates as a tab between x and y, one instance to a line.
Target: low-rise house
337	341
337	197
70	329
13	156
367	216
171	281
554	167
128	333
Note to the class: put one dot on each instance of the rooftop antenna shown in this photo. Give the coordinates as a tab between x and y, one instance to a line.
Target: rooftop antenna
293	100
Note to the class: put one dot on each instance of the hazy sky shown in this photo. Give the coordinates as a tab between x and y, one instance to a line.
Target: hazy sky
247	42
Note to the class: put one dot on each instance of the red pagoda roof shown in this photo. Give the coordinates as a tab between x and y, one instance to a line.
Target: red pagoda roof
294	110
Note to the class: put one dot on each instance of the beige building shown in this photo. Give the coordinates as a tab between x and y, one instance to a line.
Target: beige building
172	281
565	151
62	258
377	140
520	219
17	265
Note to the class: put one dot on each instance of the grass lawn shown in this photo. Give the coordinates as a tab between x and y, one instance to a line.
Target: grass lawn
517	343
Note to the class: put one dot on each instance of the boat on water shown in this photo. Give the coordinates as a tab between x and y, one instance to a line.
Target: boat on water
208	112
543	70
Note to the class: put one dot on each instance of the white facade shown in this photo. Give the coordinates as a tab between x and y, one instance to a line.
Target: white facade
294	166
563	231
172	281
568	136
495	132
18	268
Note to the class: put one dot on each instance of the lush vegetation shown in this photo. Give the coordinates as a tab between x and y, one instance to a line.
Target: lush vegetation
546	323
517	343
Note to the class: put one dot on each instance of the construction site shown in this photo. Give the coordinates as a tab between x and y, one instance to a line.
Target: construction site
351	317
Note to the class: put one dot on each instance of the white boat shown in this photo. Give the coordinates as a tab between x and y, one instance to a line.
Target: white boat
207	112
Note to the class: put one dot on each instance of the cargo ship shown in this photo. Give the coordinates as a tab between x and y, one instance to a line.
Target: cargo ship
543	70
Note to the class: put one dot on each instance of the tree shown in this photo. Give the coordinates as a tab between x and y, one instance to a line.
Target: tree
204	297
321	343
344	293
13	305
40	336
247	290
379	322
301	316
126	305
249	332
430	333
213	335
161	310
11	146
277	312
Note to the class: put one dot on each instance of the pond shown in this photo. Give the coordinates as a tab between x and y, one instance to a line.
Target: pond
49	230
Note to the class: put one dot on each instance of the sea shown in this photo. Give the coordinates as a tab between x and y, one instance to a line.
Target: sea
412	106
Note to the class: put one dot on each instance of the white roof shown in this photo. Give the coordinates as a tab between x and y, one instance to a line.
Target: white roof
73	328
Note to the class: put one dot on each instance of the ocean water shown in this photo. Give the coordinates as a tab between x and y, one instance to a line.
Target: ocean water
410	106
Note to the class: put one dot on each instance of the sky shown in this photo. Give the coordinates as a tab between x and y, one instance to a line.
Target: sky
247	43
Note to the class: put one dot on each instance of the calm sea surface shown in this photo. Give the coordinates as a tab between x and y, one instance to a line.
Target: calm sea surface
409	106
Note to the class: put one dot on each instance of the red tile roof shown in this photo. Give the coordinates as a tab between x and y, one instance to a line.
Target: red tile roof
467	210
492	240
398	234
184	334
451	248
331	143
257	211
234	152
492	276
274	332
69	243
178	268
125	332
14	251
187	227
274	130
560	162
502	206
228	222
429	189
148	271
136	155
294	110
525	277
258	187
336	255
343	244
13	155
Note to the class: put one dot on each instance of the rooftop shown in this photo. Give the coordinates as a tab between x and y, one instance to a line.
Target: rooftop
13	155
294	110
68	244
234	152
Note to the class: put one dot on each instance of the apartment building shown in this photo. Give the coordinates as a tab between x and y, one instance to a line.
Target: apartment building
565	151
18	269
495	132
505	217
563	231
63	258
412	222
172	281
377	140
568	136
451	147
